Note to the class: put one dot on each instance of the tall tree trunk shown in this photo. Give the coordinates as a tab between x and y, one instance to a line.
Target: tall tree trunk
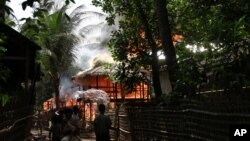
56	80
166	38
154	62
2	10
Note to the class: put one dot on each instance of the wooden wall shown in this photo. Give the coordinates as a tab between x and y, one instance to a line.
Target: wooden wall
114	90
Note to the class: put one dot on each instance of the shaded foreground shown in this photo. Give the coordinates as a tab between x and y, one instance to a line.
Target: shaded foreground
198	118
37	135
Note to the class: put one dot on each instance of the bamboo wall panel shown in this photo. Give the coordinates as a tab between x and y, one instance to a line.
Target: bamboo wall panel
187	119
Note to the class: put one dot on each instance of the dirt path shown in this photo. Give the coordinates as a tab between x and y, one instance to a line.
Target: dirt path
85	135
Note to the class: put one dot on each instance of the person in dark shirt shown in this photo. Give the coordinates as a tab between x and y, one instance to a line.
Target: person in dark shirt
55	130
102	124
75	120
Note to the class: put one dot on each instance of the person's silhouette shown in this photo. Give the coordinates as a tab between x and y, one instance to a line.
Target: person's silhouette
102	124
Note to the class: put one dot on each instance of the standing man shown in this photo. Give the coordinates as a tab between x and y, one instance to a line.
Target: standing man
102	125
76	121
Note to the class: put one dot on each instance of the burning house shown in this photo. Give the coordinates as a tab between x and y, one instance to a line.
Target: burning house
92	48
92	82
98	78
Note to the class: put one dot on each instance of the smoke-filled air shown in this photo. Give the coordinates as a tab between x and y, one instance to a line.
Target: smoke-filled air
93	32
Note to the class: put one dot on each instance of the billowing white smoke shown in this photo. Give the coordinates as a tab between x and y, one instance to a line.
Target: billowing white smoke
90	27
67	87
94	33
91	55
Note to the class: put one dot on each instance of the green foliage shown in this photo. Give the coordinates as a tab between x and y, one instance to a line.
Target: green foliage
222	29
53	33
9	10
2	40
219	28
189	74
4	99
128	45
44	90
30	3
4	72
68	1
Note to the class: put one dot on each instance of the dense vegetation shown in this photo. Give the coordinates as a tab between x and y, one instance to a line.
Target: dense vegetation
217	32
212	53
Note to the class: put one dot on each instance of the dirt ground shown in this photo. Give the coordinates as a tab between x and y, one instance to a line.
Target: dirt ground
85	135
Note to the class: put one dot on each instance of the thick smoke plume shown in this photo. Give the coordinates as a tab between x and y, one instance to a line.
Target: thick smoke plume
94	33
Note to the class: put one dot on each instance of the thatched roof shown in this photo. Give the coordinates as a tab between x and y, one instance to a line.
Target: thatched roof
98	70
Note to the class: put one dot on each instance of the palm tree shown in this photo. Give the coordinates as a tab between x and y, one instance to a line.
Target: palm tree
93	31
2	10
53	33
59	42
6	12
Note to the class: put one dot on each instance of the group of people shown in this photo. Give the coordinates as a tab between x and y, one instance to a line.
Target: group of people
66	125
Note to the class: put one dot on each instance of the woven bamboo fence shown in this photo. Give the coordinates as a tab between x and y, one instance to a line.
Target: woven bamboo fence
189	119
120	124
15	118
124	131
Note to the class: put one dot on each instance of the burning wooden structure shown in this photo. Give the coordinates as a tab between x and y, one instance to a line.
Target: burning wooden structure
98	78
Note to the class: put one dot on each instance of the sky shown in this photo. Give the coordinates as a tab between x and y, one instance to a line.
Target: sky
19	13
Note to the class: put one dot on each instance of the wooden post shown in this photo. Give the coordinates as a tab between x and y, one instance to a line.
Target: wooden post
84	113
97	82
90	110
116	91
143	89
140	90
